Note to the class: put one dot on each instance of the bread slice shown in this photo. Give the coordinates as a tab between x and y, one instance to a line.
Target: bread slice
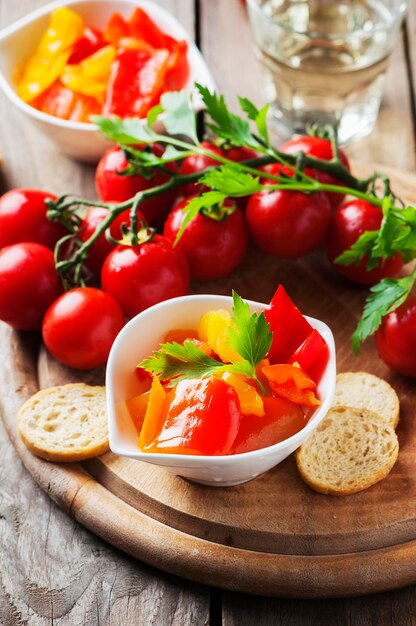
366	391
350	450
66	423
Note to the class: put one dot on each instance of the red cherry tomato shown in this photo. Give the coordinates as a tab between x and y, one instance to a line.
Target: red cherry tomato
101	248
28	284
197	163
138	277
90	41
287	224
23	218
204	415
321	149
79	328
212	248
348	222
240	154
396	338
113	187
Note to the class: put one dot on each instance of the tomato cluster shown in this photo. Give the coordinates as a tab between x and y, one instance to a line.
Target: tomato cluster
80	325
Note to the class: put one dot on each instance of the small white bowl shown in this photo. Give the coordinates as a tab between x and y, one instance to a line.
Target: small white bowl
19	40
138	339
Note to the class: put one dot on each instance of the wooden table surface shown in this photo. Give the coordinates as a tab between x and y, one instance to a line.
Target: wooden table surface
52	570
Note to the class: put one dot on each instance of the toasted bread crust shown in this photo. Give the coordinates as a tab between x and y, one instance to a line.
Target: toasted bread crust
351	450
362	390
67	423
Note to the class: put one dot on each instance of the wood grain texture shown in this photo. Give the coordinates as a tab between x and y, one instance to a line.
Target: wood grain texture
52	570
240	538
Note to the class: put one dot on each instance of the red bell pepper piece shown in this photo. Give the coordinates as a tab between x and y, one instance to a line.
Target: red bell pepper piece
136	82
91	41
288	325
142	27
291	382
199	416
116	29
281	420
62	102
312	355
178	70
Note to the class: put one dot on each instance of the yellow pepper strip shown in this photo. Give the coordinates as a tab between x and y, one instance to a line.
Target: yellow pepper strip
52	53
90	77
213	329
251	402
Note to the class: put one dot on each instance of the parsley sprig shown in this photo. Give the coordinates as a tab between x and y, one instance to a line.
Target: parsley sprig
175	111
249	336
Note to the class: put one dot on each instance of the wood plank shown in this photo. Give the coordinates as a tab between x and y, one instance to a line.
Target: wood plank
52	570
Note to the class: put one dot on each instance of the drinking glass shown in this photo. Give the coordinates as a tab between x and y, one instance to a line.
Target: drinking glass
324	61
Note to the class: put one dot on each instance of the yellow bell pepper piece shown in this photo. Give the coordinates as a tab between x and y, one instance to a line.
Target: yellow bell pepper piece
213	329
251	402
90	77
52	53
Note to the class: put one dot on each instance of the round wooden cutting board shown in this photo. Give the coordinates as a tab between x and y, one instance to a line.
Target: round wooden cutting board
273	536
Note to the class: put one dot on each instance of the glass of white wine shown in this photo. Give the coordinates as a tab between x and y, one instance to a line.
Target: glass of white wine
324	60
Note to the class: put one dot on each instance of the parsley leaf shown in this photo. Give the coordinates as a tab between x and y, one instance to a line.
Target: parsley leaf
226	125
385	297
231	181
126	131
250	336
259	116
195	205
178	115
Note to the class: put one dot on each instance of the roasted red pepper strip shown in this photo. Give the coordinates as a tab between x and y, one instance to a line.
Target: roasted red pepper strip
288	325
90	41
199	416
116	29
62	102
291	382
312	355
136	82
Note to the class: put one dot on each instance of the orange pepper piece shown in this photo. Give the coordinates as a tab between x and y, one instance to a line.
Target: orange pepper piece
291	382
137	407
153	420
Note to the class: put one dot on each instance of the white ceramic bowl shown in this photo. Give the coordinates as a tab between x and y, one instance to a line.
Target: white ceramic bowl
138	339
18	41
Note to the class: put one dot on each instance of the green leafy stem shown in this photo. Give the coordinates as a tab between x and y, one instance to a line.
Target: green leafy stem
397	233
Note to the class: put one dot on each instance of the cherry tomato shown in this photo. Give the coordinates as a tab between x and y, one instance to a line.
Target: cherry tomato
23	218
79	327
197	163
199	416
140	276
348	222
101	248
321	149
28	284
287	224
240	154
213	248
113	187
396	338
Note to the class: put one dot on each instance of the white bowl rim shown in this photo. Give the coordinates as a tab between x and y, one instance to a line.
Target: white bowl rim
221	460
90	127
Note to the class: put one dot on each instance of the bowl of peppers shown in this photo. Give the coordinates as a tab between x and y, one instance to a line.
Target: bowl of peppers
217	389
67	62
